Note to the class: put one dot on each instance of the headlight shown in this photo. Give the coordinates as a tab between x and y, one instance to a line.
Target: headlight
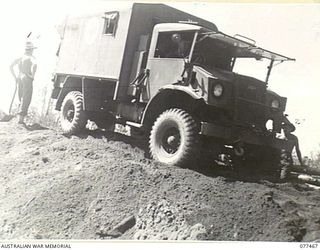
217	90
275	104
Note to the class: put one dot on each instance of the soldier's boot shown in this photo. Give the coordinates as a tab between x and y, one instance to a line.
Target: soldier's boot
21	119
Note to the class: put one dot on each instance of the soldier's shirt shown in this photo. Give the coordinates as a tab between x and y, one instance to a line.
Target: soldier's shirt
26	64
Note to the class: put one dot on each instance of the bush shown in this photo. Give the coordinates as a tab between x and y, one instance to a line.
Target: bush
49	119
314	160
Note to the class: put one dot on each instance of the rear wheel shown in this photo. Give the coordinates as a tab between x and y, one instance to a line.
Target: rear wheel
72	116
276	163
174	138
266	162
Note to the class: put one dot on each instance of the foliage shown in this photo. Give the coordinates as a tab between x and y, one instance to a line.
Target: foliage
314	160
49	119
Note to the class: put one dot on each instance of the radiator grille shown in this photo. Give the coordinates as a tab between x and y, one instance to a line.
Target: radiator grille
252	91
251	114
250	103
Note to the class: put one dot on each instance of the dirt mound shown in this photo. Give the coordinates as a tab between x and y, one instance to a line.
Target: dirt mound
101	186
160	221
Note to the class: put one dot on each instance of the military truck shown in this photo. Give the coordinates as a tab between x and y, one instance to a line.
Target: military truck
169	75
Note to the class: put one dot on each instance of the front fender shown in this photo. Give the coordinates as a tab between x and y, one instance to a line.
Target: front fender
171	96
186	89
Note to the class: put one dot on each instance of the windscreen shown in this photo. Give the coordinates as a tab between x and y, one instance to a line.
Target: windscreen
244	49
215	49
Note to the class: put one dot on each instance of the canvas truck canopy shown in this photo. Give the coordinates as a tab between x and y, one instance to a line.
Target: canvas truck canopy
244	49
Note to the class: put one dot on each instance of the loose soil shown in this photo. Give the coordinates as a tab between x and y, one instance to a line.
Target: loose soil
102	185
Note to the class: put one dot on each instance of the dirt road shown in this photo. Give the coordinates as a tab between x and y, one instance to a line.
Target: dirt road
102	186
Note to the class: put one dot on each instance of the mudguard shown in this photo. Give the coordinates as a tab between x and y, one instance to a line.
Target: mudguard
186	89
171	88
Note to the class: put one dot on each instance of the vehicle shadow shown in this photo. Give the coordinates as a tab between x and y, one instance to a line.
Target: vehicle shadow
249	175
234	174
34	126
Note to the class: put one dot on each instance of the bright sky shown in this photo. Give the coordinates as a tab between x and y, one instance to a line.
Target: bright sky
289	29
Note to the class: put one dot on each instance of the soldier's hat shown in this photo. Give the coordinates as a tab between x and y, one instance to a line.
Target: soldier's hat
29	45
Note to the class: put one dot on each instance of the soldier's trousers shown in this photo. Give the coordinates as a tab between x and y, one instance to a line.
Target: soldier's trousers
25	89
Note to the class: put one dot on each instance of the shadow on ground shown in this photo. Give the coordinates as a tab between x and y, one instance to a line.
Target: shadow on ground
34	126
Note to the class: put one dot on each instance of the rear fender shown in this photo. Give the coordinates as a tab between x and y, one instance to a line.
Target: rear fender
69	84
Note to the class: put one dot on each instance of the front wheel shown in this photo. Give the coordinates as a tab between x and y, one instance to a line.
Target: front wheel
174	138
285	164
72	117
277	162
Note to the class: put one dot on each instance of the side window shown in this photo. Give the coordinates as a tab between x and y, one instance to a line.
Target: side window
111	22
174	44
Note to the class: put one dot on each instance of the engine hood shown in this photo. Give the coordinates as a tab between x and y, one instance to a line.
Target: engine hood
219	74
229	76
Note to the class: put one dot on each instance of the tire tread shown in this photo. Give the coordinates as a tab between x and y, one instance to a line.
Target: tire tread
79	121
188	154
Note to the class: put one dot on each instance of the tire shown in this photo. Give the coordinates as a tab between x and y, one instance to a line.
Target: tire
174	138
285	164
72	116
278	163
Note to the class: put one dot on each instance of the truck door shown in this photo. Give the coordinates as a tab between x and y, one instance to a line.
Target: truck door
168	50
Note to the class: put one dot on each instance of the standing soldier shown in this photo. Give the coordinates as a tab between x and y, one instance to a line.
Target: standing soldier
27	67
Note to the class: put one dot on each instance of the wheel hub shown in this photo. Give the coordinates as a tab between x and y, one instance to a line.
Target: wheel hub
70	114
171	141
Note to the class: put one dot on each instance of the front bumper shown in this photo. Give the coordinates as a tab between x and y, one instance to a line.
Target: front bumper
234	135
